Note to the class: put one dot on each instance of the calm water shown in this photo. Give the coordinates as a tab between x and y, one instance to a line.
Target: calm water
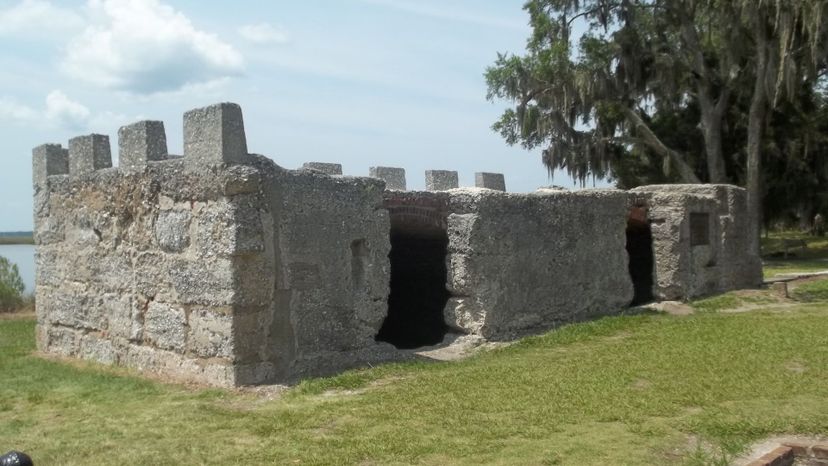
23	256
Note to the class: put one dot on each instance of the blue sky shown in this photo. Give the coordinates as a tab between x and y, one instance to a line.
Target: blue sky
359	82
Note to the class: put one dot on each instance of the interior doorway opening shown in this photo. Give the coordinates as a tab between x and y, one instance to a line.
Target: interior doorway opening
641	255
418	290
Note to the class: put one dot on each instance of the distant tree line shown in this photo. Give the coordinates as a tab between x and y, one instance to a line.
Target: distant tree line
16	237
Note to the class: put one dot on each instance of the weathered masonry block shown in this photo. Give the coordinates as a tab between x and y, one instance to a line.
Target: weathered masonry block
394	177
215	135
494	181
224	268
89	153
48	159
140	143
326	168
441	180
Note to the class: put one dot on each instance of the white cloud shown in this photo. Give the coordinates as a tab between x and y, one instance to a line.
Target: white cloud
441	12
66	112
59	111
12	111
145	46
37	18
263	33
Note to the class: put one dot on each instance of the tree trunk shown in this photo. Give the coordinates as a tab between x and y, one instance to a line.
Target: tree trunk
712	109
756	124
711	123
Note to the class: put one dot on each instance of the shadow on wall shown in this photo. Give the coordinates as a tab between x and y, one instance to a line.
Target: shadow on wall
642	258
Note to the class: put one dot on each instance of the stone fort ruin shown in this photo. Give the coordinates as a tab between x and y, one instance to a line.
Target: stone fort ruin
224	268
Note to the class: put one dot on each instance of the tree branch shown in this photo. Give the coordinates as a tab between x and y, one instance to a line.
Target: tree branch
691	38
587	13
653	142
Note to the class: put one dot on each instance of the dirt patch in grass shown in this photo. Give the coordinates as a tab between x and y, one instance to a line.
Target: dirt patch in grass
797	367
740	301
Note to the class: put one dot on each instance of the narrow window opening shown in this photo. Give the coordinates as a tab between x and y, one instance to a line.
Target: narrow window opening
359	255
699	229
642	258
418	290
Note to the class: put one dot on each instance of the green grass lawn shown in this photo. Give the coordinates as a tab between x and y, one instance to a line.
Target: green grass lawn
647	389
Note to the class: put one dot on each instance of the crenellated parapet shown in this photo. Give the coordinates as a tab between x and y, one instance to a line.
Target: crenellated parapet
213	135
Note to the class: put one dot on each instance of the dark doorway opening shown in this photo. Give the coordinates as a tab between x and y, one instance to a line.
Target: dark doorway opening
642	259
418	290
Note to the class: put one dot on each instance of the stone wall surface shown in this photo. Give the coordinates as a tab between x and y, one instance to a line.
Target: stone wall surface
331	238
729	261
138	269
519	264
223	273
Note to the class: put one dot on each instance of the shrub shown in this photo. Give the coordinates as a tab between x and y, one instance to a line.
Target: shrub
11	286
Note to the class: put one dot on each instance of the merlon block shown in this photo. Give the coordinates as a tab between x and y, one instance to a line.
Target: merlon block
326	168
494	181
441	180
89	153
215	135
139	143
394	177
48	159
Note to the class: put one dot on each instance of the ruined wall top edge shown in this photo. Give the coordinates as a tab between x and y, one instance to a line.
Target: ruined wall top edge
483	193
687	188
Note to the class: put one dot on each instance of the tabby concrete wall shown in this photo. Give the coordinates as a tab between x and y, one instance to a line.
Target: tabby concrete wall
219	267
523	263
332	243
722	256
141	270
224	268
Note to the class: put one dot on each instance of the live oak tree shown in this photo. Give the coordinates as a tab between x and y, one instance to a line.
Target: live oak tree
592	106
